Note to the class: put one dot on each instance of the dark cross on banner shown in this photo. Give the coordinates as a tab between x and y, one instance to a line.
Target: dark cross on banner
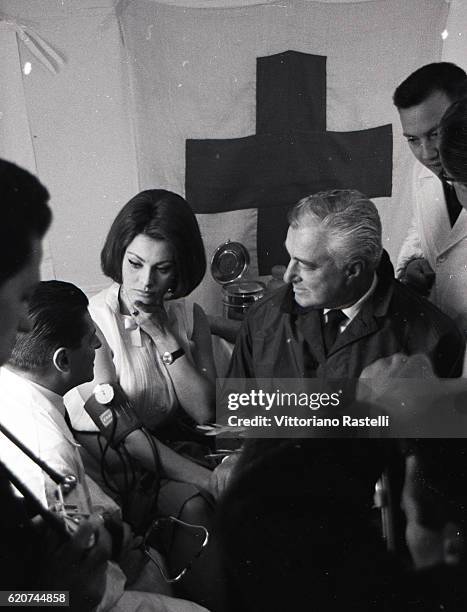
291	156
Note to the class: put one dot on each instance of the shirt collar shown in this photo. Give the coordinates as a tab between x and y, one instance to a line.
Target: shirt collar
352	311
55	409
425	172
289	304
129	324
54	398
45	400
111	297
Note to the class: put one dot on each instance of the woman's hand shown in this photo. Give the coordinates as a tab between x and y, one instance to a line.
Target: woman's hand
149	313
151	317
192	376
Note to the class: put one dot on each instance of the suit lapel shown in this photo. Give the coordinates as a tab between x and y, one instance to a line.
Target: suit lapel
362	325
310	327
373	310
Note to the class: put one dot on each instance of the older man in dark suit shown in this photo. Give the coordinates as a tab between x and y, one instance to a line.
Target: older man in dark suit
342	310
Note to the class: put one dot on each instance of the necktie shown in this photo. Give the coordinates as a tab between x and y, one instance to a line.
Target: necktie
452	202
66	416
331	328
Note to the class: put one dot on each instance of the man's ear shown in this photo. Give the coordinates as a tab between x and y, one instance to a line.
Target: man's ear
453	544
61	361
354	269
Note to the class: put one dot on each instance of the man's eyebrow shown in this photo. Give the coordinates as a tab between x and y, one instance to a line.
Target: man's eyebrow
305	261
435	128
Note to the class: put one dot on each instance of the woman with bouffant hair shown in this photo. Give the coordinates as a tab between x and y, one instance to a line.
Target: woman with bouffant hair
156	347
161	215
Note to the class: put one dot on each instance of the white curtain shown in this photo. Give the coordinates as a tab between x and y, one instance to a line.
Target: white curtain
193	75
227	3
455	34
16	143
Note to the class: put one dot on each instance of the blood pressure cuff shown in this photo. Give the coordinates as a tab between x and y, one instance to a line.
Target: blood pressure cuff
116	419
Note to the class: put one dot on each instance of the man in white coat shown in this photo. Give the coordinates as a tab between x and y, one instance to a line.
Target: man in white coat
433	255
49	359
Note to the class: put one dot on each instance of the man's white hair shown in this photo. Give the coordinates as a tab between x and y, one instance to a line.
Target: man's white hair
350	220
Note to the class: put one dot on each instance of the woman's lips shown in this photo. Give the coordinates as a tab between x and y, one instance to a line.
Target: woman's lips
146	295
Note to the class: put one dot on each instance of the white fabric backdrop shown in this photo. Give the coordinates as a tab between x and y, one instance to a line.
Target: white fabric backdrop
80	126
15	135
455	42
193	76
123	4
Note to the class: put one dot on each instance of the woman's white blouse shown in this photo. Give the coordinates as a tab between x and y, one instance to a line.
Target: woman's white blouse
138	365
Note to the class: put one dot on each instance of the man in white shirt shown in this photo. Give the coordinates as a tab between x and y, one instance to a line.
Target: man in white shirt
46	362
433	252
34	556
33	384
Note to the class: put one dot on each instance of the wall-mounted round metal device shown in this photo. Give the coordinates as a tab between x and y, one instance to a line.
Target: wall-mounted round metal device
229	262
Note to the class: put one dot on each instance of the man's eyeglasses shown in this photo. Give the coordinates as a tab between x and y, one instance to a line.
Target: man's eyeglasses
164	523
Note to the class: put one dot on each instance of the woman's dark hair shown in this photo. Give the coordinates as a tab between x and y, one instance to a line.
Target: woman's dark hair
453	141
25	215
161	215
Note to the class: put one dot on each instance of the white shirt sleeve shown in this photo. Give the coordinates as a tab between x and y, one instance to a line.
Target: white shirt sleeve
411	248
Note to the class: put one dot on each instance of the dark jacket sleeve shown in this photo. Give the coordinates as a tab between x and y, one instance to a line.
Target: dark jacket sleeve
241	364
449	357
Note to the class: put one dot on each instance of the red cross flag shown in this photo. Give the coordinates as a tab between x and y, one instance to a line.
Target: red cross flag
247	109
